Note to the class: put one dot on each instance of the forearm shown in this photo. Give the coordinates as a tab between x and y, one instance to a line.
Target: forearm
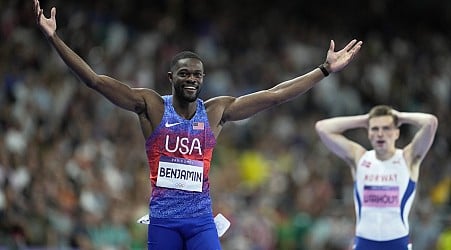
299	85
73	61
416	119
340	124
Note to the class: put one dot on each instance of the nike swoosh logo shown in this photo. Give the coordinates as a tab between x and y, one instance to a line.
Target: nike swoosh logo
168	125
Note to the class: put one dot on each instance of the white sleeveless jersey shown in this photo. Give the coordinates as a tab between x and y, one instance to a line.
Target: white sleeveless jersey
383	196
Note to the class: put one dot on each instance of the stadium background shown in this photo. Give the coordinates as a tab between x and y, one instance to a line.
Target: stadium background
72	166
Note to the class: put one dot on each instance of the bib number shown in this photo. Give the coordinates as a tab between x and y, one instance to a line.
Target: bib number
381	196
180	173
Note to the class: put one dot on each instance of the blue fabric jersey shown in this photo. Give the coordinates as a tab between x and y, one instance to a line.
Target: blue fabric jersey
179	152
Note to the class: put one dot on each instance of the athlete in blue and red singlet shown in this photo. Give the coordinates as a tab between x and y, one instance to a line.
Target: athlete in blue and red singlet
385	177
179	152
181	130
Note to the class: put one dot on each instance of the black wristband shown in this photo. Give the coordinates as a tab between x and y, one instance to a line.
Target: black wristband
324	70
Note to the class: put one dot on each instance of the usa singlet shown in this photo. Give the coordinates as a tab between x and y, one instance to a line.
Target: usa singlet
179	153
383	196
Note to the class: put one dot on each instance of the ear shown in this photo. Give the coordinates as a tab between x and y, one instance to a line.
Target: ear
397	133
170	76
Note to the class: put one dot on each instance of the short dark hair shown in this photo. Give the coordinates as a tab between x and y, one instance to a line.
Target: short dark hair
383	110
183	55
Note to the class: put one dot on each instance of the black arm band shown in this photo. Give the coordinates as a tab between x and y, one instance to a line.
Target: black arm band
324	70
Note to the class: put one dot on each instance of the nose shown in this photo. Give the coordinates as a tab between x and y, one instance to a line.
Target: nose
192	77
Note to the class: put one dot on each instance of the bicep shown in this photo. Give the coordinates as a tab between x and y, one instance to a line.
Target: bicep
420	145
121	94
341	146
248	105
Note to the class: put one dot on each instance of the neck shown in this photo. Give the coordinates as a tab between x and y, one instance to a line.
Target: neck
184	108
385	154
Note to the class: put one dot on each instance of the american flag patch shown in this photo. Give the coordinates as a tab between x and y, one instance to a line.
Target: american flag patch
198	126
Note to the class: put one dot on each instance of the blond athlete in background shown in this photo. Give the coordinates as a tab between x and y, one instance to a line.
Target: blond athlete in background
385	177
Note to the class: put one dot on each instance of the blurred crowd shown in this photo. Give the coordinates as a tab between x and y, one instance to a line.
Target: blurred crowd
73	171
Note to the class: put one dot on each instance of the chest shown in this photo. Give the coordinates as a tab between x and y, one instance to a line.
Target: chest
393	172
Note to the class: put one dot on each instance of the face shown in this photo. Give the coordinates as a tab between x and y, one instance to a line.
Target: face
382	133
187	78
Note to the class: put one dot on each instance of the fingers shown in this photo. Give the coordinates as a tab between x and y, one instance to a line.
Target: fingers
356	47
37	9
37	6
53	13
38	16
350	45
332	45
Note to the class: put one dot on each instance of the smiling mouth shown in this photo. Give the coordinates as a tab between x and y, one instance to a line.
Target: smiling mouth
190	90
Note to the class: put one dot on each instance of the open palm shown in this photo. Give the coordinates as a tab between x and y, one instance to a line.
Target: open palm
339	59
47	25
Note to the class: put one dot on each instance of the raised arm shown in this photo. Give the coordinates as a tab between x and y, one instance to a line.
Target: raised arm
117	92
331	133
248	105
427	124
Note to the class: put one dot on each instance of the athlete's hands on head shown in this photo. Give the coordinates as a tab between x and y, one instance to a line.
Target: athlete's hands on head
397	114
336	61
47	25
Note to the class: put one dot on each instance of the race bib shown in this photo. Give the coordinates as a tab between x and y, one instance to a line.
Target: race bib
180	173
381	196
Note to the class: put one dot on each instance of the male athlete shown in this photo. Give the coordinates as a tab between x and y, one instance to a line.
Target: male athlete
181	130
384	177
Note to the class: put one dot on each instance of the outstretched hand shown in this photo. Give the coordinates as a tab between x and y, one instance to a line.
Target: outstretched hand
47	25
336	61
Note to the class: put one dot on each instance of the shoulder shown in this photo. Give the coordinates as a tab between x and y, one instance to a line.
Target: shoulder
219	101
367	155
361	152
152	103
150	96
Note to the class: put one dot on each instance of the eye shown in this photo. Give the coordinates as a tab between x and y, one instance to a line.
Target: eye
182	74
388	128
198	75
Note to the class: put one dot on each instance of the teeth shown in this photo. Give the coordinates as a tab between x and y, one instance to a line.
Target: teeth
190	87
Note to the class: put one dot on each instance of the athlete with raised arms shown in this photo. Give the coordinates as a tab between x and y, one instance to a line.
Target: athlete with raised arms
181	130
385	177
